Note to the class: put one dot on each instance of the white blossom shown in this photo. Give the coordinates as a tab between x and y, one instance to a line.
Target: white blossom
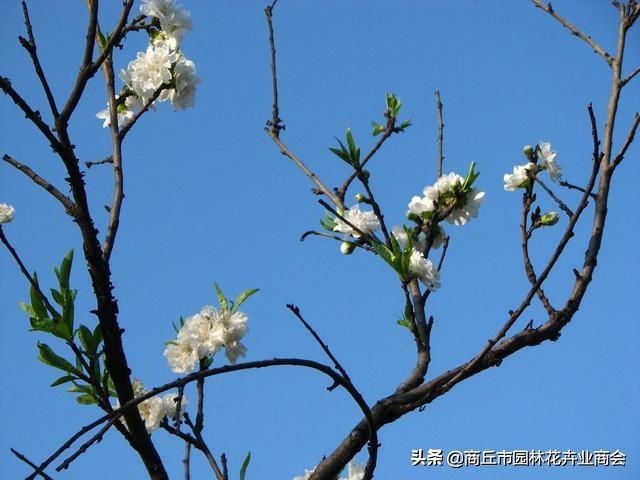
467	203
355	471
346	248
6	213
126	111
519	177
306	475
424	270
365	222
203	335
174	20
548	161
181	356
461	215
183	96
150	70
403	238
153	410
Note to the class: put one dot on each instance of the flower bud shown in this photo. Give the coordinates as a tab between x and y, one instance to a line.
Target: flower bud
527	150
6	213
360	198
347	248
549	219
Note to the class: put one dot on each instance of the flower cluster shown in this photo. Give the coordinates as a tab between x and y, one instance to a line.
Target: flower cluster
355	471
162	70
452	196
155	409
203	335
424	269
540	159
6	213
365	222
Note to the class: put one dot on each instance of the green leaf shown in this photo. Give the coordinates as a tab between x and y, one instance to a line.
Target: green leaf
354	152
470	178
341	153
222	300
37	302
403	322
49	357
61	380
86	338
65	270
86	400
245	465
243	297
377	129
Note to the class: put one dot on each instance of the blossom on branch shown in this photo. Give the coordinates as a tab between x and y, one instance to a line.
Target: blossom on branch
6	213
203	335
150	70
520	177
548	161
174	20
365	222
424	269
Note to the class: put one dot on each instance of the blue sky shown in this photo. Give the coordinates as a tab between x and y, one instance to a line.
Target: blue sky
210	199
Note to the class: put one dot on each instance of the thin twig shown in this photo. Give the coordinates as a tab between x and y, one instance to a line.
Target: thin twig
574	31
187	461
630	76
97	438
440	132
563	206
38	180
628	141
27	275
571	186
104	161
30	46
30	463
373	436
274	126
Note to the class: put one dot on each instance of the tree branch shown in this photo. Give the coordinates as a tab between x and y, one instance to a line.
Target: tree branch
574	31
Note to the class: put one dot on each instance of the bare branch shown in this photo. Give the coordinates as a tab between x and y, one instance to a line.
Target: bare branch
373	436
274	126
574	31
30	463
33	115
563	206
38	180
440	132
30	46
630	76
628	141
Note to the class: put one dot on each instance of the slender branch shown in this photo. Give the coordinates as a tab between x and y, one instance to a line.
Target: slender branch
274	126
440	132
27	275
88	68
630	76
388	131
527	201
30	46
104	161
187	461
30	463
563	206
628	141
181	382
38	180
127	126
97	438
373	436
33	115
312	176
574	31
202	446
571	186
